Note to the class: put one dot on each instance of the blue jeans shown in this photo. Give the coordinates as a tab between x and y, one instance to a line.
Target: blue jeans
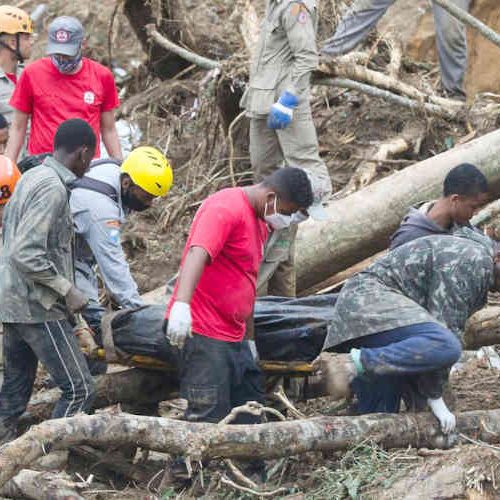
55	346
413	358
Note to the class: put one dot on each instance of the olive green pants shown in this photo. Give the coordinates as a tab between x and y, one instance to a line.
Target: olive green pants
295	146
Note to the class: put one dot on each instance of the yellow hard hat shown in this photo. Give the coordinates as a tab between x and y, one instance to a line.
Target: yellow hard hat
14	20
149	169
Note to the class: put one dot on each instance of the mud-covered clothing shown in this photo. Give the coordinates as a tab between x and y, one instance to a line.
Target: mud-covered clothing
442	279
98	221
54	344
451	40
410	362
217	376
36	265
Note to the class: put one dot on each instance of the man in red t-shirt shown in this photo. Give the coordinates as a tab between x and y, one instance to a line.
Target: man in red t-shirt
62	86
216	289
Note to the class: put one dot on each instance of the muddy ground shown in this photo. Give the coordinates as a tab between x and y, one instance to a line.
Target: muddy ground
182	120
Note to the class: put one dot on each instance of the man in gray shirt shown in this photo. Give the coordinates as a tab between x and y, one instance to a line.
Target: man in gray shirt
38	298
99	204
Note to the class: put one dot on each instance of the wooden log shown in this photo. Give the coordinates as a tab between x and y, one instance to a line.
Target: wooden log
359	225
200	441
129	386
42	486
483	328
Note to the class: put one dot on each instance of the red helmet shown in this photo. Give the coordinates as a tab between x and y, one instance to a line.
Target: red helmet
9	175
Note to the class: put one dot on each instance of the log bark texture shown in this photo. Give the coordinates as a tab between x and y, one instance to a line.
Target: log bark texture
360	224
199	441
128	386
41	486
483	328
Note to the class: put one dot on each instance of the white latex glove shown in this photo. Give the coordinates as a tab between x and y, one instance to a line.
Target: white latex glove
253	350
441	412
179	324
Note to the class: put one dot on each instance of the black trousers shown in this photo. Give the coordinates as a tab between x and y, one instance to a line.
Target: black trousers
217	376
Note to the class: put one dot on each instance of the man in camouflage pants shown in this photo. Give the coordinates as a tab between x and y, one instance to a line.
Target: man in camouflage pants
451	41
282	131
401	321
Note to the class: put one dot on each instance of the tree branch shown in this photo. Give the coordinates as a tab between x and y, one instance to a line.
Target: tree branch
200	441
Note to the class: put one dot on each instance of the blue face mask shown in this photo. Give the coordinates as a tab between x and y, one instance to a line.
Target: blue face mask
65	65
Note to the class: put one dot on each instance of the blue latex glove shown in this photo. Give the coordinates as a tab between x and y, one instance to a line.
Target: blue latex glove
281	114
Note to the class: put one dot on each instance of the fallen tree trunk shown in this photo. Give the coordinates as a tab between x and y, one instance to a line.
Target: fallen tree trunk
128	386
483	328
198	441
360	224
42	486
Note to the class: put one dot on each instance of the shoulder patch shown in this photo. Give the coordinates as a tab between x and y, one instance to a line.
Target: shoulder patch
300	12
113	224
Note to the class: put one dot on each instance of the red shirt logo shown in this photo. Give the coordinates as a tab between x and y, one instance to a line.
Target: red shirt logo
62	36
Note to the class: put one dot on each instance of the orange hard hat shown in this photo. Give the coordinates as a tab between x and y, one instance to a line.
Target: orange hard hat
14	20
9	175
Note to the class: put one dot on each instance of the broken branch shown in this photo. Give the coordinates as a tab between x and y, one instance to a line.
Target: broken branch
370	90
201	61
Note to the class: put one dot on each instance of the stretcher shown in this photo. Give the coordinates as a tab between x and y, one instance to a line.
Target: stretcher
289	335
282	368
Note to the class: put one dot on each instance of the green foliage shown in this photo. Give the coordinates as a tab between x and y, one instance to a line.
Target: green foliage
364	467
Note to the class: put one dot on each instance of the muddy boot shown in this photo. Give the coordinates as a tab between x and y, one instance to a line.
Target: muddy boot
336	372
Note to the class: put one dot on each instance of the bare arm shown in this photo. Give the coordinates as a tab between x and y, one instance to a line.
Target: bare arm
17	133
110	135
250	326
194	264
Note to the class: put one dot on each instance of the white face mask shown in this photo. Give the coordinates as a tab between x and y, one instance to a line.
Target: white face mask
298	217
277	221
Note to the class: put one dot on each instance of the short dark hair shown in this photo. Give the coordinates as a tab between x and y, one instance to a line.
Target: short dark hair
466	180
73	134
3	121
292	184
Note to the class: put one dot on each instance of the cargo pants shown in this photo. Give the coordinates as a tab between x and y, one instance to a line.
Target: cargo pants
217	376
451	40
295	146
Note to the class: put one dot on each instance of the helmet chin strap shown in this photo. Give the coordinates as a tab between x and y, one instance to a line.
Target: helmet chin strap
16	51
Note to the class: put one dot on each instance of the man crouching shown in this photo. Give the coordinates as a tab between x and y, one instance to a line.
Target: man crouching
401	321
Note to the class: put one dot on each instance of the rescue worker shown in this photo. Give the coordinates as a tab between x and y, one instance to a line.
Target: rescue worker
38	298
16	40
465	191
9	175
282	131
402	319
99	204
61	86
451	40
215	293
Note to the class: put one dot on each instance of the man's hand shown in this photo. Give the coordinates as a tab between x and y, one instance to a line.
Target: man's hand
179	324
75	300
446	418
281	114
84	335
